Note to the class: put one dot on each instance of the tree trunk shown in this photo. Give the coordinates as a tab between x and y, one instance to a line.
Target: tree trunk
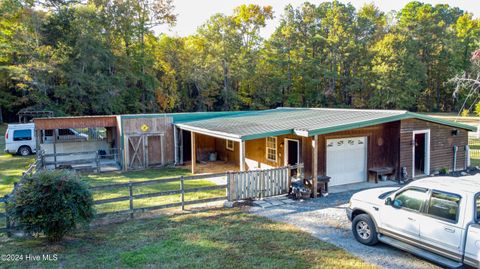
225	84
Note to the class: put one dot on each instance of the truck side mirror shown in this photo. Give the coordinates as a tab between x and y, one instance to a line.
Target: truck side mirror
388	201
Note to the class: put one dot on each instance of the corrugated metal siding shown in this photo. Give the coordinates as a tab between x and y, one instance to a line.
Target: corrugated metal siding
75	122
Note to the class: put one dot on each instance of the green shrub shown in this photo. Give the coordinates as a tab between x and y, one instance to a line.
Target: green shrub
477	109
52	203
443	171
465	113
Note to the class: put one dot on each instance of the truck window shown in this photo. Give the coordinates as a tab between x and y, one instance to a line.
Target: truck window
478	208
48	132
412	199
65	132
444	205
22	135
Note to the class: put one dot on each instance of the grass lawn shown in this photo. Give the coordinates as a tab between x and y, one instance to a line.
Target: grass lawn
11	167
224	238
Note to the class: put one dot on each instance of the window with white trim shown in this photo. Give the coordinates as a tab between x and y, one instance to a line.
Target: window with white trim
229	145
271	148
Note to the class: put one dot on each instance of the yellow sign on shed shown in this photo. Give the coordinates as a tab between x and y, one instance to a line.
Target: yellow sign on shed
144	128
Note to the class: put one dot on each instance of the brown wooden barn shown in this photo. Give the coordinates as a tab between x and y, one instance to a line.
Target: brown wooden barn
348	145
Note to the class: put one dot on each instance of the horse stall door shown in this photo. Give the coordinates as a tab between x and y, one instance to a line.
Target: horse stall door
154	150
136	152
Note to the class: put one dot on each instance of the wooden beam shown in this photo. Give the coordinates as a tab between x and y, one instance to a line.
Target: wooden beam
181	146
242	156
176	144
194	153
315	165
55	134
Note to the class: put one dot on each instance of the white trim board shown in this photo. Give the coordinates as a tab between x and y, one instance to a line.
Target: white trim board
426	167
285	150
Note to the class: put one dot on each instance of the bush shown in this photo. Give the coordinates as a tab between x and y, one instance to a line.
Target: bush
52	203
465	113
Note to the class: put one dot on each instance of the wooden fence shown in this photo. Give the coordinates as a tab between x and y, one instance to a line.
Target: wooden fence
182	190
260	183
87	160
238	186
474	149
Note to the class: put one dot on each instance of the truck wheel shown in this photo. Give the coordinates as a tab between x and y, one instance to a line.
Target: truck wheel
24	150
364	230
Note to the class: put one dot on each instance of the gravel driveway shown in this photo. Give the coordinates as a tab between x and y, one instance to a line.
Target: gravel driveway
325	219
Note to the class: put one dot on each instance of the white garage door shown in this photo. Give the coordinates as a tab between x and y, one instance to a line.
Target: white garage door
347	160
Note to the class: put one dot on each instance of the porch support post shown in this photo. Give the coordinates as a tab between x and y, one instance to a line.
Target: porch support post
315	165
175	142
181	146
55	134
38	137
242	155
194	153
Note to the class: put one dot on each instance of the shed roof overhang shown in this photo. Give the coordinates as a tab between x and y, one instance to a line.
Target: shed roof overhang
204	131
75	122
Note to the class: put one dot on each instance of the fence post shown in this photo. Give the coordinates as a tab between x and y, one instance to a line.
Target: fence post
228	187
289	177
7	218
262	184
97	161
182	188
130	189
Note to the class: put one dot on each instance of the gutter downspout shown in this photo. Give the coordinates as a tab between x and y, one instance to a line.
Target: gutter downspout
455	150
467	156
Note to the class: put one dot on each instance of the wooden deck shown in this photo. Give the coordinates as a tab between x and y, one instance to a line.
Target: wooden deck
212	167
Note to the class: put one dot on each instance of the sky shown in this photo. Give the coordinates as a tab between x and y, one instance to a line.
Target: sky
193	13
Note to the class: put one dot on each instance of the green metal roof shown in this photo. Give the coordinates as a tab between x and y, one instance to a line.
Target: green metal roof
301	121
186	116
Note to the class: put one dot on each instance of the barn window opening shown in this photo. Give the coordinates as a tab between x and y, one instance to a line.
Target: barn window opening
229	145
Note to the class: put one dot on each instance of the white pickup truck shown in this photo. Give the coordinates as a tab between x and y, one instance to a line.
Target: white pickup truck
435	218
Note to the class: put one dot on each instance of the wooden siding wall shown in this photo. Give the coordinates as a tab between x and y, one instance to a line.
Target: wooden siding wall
255	153
383	145
132	126
441	145
257	156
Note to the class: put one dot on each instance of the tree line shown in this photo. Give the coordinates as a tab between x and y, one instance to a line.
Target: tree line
103	57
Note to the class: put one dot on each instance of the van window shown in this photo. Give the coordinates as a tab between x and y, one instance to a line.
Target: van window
444	205
412	199
22	135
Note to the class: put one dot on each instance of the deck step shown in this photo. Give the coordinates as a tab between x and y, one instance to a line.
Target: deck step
444	262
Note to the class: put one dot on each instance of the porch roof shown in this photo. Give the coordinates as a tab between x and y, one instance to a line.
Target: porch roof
301	121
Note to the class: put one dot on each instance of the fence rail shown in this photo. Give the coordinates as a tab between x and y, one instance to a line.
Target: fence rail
182	190
86	160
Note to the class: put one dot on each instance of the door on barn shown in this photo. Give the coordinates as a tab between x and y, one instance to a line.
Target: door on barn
145	150
155	153
136	151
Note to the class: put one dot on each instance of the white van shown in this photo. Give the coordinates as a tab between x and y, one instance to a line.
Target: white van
20	138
